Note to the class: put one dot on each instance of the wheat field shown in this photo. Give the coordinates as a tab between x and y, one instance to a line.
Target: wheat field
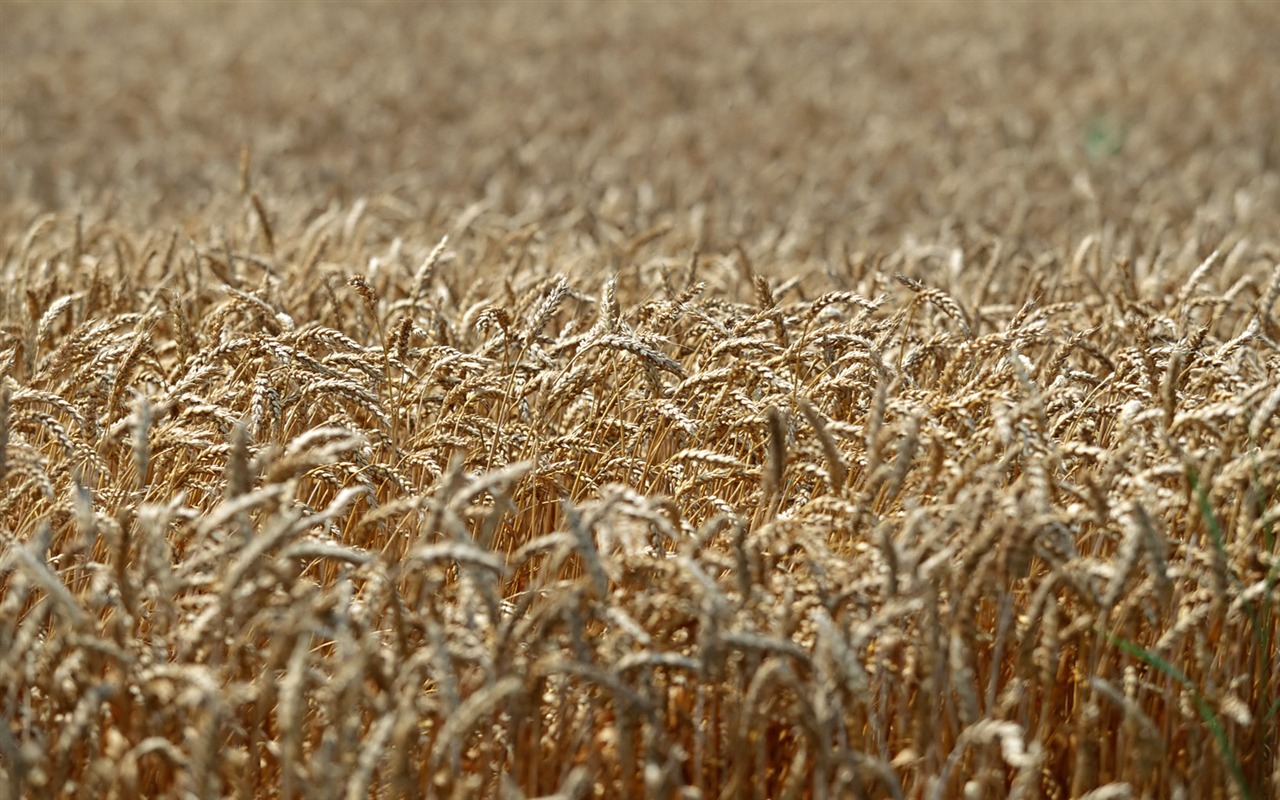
653	400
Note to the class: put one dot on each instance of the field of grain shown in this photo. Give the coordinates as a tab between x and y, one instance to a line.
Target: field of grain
655	400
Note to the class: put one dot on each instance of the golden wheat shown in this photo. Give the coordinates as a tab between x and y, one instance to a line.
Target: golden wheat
683	400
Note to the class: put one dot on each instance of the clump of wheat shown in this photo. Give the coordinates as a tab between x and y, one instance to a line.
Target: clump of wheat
672	485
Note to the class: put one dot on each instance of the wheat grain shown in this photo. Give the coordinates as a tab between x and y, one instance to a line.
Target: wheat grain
471	531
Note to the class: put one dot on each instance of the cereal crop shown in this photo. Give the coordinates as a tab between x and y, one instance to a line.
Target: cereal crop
651	400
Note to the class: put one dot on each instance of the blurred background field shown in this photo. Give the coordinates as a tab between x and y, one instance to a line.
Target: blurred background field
862	122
